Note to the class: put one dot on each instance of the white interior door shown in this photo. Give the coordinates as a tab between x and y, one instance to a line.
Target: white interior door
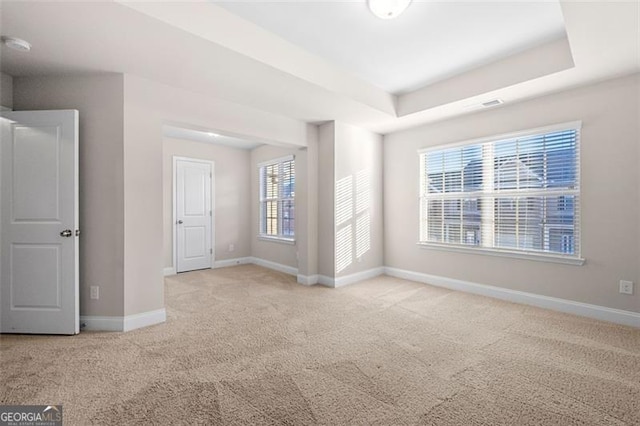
39	269
193	214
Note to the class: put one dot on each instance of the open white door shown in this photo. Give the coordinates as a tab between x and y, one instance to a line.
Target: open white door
39	270
193	214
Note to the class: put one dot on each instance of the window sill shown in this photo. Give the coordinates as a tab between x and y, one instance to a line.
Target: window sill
505	253
290	241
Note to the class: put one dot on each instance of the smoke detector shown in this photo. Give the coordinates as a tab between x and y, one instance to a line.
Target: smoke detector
16	44
388	9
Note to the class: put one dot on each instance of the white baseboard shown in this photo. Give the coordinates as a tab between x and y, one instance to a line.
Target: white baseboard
144	319
568	306
244	261
348	279
617	316
231	262
307	279
275	266
99	323
358	276
217	264
326	281
125	323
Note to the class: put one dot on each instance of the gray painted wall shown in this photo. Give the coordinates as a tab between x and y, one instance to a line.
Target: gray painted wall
6	91
358	186
610	196
122	187
99	99
326	200
307	205
149	105
232	209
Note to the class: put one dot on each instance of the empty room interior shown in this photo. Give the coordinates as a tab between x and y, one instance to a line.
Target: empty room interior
389	212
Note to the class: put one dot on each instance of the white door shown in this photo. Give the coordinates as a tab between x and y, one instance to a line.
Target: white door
39	269
193	214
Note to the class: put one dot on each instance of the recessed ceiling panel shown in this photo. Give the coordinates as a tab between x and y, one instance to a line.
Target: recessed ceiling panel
429	42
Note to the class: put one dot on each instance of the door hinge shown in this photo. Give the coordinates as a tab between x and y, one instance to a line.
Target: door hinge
210	251
210	212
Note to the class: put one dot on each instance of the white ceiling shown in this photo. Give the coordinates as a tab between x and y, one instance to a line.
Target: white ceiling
429	42
200	47
214	137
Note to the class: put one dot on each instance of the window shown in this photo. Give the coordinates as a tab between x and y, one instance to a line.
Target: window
518	193
277	198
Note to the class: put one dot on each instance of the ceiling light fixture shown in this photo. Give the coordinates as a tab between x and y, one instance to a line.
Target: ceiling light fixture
388	9
16	44
213	135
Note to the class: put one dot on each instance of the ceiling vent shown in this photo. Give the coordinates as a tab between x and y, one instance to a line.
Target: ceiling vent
492	102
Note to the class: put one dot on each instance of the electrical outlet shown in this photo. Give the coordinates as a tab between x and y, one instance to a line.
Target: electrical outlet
232	247
95	292
626	287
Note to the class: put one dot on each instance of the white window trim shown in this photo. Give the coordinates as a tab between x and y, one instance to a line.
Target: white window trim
519	254
276	161
275	239
266	237
492	251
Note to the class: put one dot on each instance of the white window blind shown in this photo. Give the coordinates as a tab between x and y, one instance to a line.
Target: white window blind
518	193
277	198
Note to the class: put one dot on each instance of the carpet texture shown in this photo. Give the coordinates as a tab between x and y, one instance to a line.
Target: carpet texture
248	346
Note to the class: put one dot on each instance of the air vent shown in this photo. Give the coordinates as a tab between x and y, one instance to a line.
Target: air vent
493	102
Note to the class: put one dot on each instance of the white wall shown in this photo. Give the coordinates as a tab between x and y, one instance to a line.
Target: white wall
350	200
326	200
122	186
121	178
149	105
358	199
610	155
232	209
99	99
6	91
307	205
280	252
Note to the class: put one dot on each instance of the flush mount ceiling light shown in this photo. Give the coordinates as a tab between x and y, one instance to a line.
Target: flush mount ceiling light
16	44
388	9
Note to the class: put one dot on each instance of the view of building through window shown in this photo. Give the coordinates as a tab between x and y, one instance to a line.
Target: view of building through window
277	199
516	194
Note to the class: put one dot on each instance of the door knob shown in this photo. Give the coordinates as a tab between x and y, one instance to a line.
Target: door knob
179	222
66	233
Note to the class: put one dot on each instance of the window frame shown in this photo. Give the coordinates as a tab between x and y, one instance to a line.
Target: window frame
554	257
262	235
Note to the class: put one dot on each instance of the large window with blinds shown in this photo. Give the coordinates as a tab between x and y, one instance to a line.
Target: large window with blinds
518	193
277	198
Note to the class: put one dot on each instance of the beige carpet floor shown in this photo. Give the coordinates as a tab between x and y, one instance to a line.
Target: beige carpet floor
249	346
